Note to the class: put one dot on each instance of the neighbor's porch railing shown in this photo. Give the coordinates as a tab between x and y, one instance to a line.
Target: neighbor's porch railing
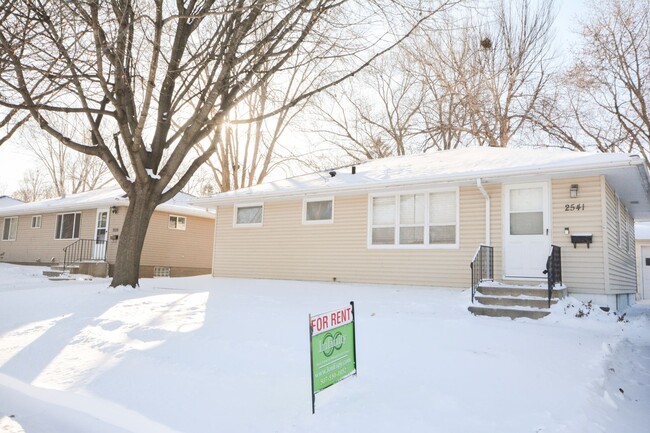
553	270
84	249
482	267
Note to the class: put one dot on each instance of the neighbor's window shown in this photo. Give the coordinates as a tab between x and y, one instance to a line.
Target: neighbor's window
318	211
67	226
249	215
177	222
416	220
36	222
10	228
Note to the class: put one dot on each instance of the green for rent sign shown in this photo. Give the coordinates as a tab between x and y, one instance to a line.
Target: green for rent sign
333	348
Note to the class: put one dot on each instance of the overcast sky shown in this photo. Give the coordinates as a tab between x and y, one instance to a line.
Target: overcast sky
14	160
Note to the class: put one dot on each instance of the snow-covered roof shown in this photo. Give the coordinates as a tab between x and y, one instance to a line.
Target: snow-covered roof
625	172
99	198
642	231
8	201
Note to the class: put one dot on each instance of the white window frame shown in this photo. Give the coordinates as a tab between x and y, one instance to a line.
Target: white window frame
56	223
631	242
312	200
619	221
9	238
38	218
177	227
619	236
235	209
426	245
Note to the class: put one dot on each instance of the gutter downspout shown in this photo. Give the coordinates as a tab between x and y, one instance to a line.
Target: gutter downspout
479	185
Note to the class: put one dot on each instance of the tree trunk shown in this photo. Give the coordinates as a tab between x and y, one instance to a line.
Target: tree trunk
131	241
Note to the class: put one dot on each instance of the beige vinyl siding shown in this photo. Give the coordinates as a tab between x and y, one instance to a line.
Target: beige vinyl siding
39	245
621	264
189	248
284	248
583	268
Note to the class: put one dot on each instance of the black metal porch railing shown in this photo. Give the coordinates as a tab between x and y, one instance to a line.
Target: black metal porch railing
482	267
84	249
553	270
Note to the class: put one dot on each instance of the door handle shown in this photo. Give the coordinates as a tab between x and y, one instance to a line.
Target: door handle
546	232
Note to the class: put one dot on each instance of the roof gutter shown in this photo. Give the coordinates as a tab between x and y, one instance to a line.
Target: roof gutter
217	201
479	185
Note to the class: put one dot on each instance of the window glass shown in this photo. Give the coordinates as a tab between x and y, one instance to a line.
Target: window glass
10	229
383	211
383	236
36	222
67	226
318	210
177	222
527	211
411	209
527	223
526	199
411	215
249	215
442	217
417	226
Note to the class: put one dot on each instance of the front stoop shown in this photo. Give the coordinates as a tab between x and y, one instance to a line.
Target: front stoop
500	300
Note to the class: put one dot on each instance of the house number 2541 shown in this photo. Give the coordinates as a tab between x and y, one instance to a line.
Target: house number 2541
574	207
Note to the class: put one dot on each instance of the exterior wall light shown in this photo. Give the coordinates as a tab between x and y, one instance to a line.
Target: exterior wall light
113	210
573	192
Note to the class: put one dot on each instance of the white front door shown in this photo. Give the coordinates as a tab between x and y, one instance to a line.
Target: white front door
101	235
645	273
526	230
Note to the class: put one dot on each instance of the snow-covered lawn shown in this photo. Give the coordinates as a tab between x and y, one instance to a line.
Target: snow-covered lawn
208	354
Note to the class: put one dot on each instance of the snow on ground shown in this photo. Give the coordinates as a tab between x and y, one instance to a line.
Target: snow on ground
206	354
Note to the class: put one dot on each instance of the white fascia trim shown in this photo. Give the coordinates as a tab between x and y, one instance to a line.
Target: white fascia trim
212	202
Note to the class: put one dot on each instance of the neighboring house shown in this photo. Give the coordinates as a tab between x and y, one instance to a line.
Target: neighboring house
88	226
642	232
420	219
8	201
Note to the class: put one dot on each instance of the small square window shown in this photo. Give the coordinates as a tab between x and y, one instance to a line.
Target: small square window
249	215
36	221
318	211
177	222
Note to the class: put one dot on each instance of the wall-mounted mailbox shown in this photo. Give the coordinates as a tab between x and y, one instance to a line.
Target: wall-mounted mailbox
114	237
586	238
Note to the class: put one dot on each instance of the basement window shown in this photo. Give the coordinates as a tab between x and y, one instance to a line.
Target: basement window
162	271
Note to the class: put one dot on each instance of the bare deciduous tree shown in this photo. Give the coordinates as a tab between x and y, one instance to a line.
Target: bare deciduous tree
34	186
601	102
136	68
490	73
69	172
377	114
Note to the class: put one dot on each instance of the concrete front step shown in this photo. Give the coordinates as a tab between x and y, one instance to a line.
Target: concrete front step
73	269
514	301
513	313
534	291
